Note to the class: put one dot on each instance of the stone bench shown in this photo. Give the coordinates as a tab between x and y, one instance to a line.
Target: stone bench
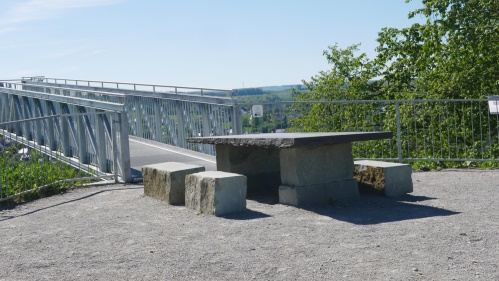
166	181
390	179
215	193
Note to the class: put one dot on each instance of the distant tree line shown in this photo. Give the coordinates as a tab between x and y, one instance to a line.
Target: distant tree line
247	92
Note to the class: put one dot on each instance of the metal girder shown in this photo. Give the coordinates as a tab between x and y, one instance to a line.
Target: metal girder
103	105
159	95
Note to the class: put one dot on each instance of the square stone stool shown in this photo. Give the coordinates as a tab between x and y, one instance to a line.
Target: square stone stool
390	179
166	181
215	193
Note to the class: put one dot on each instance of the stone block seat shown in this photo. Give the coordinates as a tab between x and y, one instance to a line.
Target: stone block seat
166	181
216	193
390	179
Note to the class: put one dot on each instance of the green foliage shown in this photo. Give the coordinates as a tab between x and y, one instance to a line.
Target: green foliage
247	92
453	54
18	175
350	77
274	117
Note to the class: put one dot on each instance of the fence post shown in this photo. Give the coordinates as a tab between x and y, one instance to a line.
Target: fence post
180	124
157	120
124	148
399	142
66	146
237	125
114	135
100	137
82	139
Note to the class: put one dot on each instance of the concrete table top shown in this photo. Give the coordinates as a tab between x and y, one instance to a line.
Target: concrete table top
291	140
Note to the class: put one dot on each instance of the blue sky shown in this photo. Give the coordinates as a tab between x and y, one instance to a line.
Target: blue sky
199	43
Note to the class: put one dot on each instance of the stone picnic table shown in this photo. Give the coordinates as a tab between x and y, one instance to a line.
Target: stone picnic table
302	168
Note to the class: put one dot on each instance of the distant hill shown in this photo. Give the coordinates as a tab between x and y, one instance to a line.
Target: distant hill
281	88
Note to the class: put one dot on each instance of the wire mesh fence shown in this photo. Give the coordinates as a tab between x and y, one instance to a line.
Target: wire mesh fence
430	130
38	155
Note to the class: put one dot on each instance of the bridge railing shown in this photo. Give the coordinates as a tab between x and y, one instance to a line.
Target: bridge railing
167	117
88	127
155	88
35	156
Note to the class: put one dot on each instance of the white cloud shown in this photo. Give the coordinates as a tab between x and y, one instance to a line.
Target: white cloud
33	10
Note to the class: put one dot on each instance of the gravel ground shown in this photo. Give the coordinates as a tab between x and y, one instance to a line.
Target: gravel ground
448	229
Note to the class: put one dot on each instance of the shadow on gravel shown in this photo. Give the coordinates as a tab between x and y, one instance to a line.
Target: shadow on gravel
13	205
136	174
246	215
413	198
373	209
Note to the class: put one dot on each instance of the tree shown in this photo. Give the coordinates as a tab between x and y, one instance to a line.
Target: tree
350	77
453	54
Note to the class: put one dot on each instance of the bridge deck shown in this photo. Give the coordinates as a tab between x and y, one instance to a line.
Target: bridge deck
144	152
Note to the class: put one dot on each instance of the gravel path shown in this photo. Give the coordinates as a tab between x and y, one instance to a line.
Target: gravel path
448	229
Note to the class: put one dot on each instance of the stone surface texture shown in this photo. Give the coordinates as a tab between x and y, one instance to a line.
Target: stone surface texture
332	193
215	193
390	179
289	140
323	164
166	181
259	165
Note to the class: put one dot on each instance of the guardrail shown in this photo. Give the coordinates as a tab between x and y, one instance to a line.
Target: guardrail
82	125
167	117
429	130
39	152
156	88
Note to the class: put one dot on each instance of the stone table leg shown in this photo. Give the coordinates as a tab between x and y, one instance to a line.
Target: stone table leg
260	166
320	175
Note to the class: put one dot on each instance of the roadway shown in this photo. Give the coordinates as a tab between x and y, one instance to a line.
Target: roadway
145	152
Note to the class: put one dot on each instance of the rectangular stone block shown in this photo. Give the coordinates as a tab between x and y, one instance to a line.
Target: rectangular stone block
260	166
390	179
215	193
166	181
323	164
337	192
341	192
301	196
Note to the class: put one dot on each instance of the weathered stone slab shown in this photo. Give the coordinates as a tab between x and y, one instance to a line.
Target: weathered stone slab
337	192
215	193
289	140
166	181
260	166
390	179
323	164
